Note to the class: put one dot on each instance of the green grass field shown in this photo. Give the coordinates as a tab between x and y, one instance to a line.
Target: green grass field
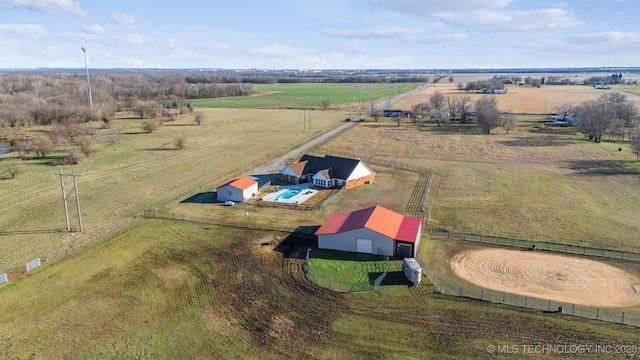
309	95
167	289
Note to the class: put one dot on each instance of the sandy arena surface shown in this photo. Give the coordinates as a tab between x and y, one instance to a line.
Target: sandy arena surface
548	276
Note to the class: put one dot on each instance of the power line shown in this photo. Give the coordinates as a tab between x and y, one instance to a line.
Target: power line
65	196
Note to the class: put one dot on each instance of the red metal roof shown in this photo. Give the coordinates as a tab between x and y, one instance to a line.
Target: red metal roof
376	218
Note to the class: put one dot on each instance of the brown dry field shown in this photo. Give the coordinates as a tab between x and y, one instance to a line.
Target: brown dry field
574	280
519	99
527	184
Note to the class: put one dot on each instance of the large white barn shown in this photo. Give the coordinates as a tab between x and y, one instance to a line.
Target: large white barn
238	190
374	230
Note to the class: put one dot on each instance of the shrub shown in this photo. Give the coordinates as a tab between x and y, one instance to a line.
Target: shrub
180	142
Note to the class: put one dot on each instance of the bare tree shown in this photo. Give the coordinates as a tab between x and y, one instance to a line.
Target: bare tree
437	107
150	125
605	114
464	106
86	144
180	142
41	145
12	168
452	106
508	122
112	137
634	139
488	115
325	104
376	115
199	118
142	108
567	109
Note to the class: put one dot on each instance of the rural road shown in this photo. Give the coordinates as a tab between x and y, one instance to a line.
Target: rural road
277	164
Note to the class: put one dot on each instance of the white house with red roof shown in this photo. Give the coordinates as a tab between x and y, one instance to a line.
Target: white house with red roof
238	190
374	230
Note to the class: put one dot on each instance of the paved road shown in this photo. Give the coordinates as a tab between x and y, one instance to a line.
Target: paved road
276	165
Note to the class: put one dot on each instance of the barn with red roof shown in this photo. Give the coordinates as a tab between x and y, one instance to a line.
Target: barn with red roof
238	190
374	230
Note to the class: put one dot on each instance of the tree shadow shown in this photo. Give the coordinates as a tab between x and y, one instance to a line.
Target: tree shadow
603	167
537	141
30	232
160	149
208	197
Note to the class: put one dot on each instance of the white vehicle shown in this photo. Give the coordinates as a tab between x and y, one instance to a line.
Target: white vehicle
229	203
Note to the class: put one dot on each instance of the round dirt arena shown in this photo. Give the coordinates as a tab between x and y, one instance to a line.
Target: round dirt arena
548	276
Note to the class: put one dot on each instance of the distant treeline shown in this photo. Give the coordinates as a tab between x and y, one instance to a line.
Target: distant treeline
303	78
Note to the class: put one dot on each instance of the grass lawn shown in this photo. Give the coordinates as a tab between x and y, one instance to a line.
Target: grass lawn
342	271
171	289
310	95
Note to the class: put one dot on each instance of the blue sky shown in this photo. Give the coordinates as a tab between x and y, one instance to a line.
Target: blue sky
313	34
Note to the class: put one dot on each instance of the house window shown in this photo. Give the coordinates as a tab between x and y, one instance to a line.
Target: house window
229	193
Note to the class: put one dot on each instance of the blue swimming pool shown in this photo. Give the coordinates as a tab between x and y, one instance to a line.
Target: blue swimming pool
289	194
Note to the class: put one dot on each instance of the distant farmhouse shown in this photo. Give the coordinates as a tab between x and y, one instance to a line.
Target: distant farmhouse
328	171
374	230
239	190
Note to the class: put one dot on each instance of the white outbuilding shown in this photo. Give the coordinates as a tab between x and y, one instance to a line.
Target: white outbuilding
238	190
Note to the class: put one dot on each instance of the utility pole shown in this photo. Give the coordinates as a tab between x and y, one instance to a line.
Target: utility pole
84	51
65	196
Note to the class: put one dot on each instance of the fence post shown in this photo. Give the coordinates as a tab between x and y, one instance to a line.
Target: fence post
504	297
573	309
598	314
481	294
549	307
622	318
526	301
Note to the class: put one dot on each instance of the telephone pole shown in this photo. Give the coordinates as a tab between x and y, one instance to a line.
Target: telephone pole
65	196
84	51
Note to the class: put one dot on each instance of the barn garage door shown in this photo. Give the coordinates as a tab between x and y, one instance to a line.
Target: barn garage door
364	246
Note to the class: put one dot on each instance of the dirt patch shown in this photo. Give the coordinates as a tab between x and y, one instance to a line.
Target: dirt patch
548	276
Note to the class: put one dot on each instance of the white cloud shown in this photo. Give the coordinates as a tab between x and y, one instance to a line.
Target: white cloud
130	40
279	50
512	20
374	32
94	29
48	6
611	38
123	18
28	31
488	15
421	7
348	47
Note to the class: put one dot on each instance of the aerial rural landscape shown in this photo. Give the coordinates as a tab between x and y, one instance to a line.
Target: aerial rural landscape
318	205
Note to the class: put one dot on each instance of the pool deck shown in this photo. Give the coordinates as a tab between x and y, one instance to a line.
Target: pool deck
299	198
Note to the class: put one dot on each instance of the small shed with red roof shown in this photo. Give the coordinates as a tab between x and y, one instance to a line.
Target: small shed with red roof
374	230
238	190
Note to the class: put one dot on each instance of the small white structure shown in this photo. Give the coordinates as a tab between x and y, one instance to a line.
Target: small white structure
238	190
412	270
